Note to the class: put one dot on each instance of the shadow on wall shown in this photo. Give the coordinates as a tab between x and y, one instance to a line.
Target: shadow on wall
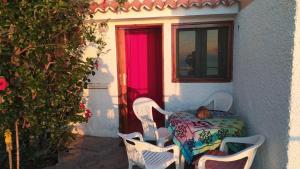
295	138
105	117
191	96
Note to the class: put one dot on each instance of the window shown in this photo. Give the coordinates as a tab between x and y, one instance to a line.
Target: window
202	52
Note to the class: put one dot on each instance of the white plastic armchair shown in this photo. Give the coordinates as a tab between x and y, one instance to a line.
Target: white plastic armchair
256	141
142	108
221	101
148	156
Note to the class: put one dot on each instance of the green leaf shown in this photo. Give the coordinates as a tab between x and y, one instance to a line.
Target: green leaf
47	79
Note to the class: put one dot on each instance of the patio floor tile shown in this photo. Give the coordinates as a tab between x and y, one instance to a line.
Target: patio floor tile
95	153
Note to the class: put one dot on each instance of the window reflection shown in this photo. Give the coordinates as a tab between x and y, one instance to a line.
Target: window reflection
186	52
212	61
202	53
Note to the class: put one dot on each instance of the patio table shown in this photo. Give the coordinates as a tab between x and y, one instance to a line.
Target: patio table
195	136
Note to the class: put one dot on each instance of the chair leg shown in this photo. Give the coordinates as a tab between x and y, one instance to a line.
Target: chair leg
182	161
177	164
130	164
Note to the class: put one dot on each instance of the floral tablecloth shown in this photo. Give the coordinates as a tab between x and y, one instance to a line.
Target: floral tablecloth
195	136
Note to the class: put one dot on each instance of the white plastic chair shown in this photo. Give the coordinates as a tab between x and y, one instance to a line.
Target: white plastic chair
221	101
148	156
256	141
142	108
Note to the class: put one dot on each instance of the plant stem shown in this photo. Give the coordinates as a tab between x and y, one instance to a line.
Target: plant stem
10	159
17	144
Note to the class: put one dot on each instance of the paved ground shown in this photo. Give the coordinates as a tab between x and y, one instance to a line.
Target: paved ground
95	153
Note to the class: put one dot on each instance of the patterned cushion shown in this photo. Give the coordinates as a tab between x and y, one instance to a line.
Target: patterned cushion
238	164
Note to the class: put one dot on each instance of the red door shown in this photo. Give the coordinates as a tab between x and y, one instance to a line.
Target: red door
142	74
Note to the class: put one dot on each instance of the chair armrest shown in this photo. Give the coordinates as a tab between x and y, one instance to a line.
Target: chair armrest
144	146
244	140
137	135
132	135
171	147
164	112
175	149
224	147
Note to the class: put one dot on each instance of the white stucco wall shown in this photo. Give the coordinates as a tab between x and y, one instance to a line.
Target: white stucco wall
263	60
177	96
294	133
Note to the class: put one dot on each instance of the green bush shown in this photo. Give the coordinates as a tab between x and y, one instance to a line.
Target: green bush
41	56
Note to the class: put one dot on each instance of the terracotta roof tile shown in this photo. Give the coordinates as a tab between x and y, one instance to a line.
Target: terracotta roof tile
183	3
126	6
171	3
112	5
136	5
148	4
159	4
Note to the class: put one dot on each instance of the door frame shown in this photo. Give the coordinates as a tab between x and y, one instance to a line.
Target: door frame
121	69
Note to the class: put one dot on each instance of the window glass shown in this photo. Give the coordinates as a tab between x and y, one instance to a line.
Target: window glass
186	52
202	53
212	53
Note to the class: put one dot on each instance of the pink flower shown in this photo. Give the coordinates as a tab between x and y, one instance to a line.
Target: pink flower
82	106
88	114
3	83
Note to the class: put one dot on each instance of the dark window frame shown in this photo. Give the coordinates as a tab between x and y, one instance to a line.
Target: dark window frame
208	25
